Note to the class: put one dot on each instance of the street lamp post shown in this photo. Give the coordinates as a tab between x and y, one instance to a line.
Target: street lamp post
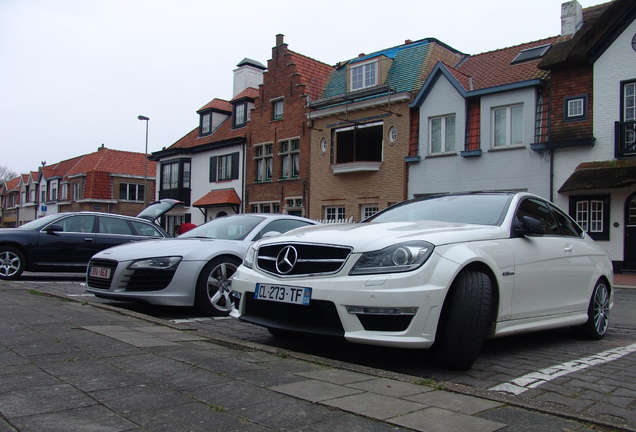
144	118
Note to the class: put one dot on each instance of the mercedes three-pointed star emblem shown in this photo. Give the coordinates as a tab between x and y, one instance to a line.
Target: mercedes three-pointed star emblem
286	259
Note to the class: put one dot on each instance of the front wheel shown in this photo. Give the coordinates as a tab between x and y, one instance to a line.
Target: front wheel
12	263
465	321
598	313
214	286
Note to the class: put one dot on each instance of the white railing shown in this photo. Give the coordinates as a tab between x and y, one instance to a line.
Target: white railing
335	221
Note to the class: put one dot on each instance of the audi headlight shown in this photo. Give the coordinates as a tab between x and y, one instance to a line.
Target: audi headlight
156	263
250	255
401	257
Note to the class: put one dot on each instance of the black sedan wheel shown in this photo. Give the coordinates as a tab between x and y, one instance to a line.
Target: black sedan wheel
598	314
214	286
12	263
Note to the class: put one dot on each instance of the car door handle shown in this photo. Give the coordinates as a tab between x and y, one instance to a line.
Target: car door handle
568	248
88	239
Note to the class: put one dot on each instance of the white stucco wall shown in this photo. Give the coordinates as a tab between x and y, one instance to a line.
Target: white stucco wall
514	168
617	64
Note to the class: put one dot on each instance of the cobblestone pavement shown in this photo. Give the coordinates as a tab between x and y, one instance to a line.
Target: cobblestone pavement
547	371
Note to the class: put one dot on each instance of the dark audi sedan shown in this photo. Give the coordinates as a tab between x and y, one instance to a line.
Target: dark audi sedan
65	242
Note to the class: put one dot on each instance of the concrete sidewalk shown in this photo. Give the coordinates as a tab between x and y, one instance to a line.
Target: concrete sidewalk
72	366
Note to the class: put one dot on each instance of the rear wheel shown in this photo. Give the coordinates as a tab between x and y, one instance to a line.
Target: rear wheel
214	286
598	313
12	263
465	321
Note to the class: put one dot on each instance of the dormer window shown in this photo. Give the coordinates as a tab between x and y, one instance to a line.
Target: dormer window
364	75
206	122
240	114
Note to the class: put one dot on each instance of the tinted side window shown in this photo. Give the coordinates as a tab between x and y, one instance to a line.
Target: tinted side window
281	226
146	229
80	223
568	226
114	226
538	210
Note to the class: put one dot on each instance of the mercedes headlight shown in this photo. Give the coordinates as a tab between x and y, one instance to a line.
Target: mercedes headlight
250	255
156	263
401	257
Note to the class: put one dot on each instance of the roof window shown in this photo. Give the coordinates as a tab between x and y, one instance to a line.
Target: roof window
531	54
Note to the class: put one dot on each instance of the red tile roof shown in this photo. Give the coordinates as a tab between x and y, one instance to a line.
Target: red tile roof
250	93
113	161
218	105
221	133
492	69
215	197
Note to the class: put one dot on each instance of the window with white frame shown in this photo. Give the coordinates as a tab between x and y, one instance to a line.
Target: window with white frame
263	162
575	108
43	195
240	115
131	192
334	213
290	158
364	75
277	108
170	176
64	191
225	167
294	206
592	214
175	174
266	207
442	134
77	191
368	210
206	123
629	115
507	126
53	194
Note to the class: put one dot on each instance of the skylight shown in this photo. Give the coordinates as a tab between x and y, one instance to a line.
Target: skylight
531	54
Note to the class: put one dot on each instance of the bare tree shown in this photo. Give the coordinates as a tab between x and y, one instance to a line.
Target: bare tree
6	173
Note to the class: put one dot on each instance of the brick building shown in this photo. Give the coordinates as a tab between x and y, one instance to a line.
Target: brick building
277	155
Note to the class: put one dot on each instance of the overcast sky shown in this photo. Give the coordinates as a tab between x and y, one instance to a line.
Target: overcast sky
75	74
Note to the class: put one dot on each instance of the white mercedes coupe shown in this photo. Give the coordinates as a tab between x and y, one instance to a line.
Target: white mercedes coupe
441	272
193	269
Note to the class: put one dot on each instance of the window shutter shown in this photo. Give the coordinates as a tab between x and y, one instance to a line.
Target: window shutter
213	161
235	166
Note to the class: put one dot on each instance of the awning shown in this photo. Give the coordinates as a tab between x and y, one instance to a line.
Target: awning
221	197
602	175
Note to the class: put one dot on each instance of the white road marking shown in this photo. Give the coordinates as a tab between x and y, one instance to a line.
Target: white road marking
535	379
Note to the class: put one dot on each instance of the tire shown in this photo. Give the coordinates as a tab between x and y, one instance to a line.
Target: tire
12	263
214	286
465	321
598	313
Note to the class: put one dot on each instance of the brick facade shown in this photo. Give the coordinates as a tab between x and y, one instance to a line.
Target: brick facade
285	80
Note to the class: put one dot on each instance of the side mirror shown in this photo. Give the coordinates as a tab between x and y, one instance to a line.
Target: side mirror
54	228
271	234
531	226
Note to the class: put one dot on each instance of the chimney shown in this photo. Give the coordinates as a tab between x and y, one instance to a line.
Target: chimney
571	17
279	39
249	73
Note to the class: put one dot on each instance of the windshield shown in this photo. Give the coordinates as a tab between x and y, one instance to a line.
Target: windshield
480	209
225	228
39	223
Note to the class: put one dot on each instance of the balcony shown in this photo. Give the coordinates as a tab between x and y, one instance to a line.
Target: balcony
625	139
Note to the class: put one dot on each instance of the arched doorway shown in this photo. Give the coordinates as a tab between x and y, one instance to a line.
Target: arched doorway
629	256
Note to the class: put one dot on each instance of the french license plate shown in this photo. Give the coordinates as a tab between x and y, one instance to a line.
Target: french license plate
283	293
100	272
